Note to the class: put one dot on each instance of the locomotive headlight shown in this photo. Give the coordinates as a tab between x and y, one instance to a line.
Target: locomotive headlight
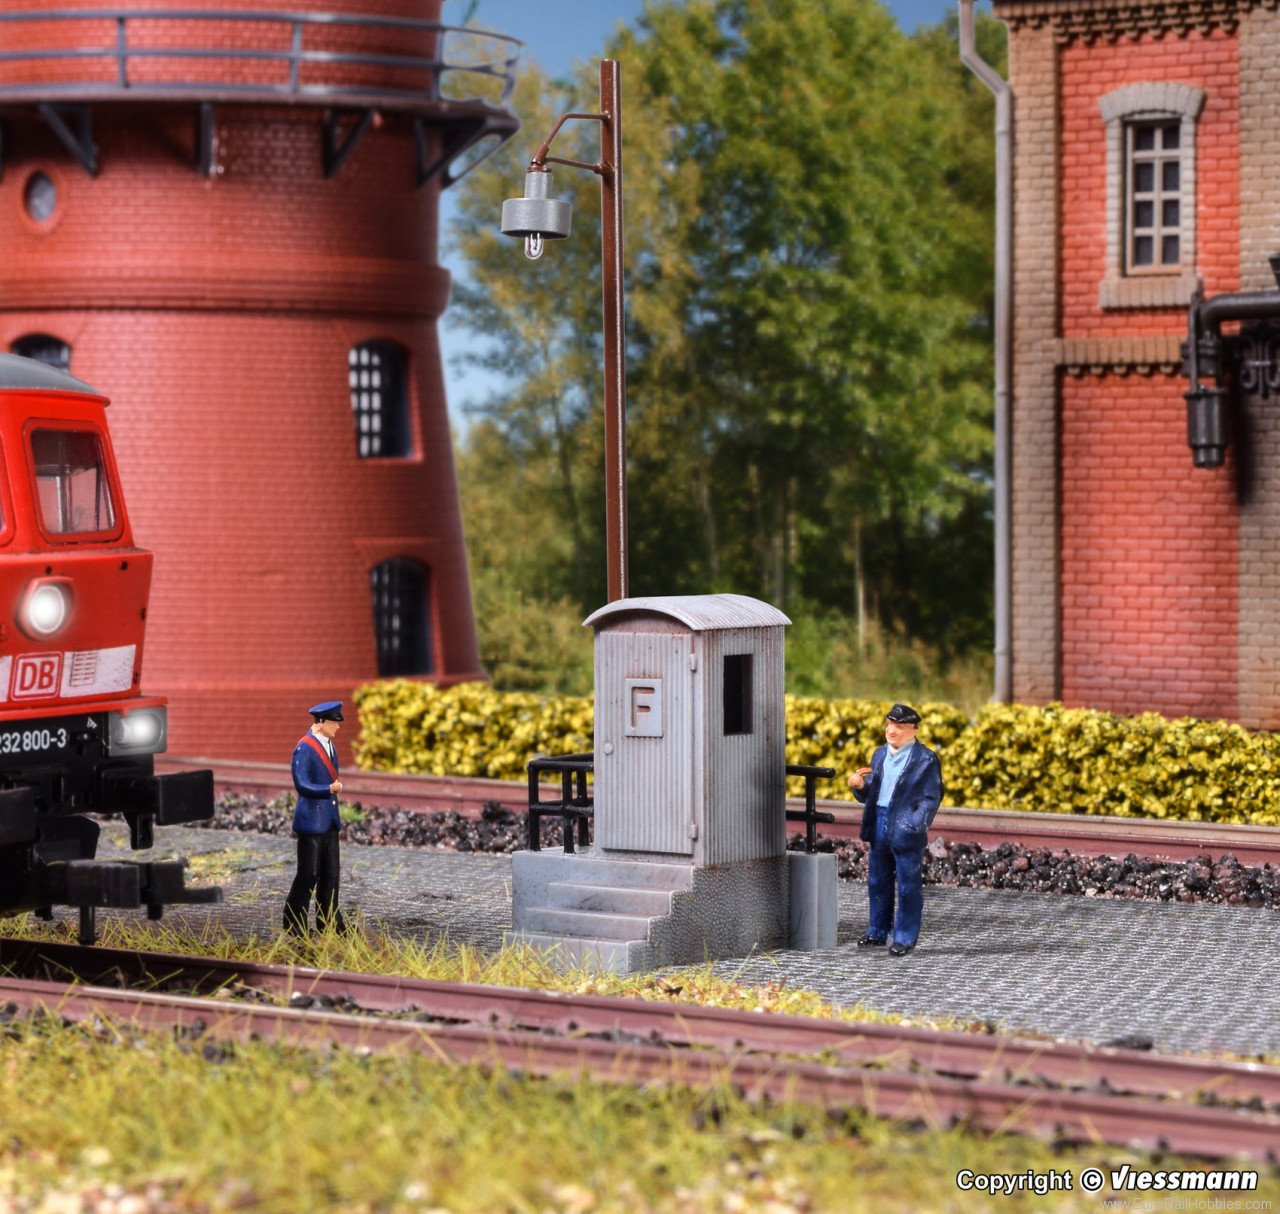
46	607
141	732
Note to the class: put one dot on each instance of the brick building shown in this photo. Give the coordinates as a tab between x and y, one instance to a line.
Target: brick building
226	220
1146	156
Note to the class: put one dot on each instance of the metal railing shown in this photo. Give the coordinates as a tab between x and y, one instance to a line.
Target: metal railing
132	40
810	815
575	805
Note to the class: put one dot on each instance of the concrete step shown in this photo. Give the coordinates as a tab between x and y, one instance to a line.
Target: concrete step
615	900
586	867
616	956
585	924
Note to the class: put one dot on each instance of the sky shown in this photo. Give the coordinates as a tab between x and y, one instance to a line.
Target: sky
559	33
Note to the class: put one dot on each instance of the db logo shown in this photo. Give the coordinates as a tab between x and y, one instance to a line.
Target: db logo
37	675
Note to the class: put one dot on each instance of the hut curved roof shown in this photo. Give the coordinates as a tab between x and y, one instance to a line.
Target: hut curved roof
697	612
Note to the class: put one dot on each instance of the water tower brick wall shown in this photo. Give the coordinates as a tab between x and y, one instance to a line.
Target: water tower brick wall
218	315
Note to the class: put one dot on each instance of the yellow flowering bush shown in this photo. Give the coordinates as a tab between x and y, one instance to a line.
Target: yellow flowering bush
465	730
1078	760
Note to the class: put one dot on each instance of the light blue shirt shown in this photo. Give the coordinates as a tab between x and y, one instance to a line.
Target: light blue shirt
891	771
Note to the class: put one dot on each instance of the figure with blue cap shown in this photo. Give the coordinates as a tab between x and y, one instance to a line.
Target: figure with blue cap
316	824
901	790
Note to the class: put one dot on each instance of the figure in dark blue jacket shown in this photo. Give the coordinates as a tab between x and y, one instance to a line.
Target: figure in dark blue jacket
902	790
316	823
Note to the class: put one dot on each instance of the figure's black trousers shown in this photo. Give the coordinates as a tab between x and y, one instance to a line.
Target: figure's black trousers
318	875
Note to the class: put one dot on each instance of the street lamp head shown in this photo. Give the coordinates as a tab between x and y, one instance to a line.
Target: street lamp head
536	216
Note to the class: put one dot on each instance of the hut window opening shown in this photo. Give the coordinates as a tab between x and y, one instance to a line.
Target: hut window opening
737	693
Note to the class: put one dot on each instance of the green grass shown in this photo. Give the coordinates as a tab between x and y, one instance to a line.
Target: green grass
374	951
273	1130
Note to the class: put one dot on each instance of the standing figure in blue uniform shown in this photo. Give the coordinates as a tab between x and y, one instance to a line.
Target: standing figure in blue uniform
902	790
316	823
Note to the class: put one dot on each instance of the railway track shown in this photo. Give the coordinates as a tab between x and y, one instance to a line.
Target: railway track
1087	835
1211	1109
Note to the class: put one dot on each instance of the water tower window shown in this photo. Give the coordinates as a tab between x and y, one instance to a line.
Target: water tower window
50	350
40	197
737	693
401	620
377	375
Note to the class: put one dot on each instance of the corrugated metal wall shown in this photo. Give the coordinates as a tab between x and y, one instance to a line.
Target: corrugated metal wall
745	773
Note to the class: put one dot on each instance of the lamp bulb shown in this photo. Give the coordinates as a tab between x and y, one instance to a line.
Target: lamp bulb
533	246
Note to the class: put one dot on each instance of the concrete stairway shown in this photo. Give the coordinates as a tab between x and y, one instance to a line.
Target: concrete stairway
588	911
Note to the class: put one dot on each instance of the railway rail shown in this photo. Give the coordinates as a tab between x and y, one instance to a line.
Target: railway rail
1086	835
1207	1108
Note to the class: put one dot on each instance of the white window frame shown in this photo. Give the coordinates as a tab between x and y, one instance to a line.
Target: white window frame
1123	108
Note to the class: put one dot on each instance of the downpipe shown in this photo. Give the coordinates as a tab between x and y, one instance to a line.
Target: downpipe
1003	464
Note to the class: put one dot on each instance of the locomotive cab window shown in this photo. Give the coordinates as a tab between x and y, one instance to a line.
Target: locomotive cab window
72	489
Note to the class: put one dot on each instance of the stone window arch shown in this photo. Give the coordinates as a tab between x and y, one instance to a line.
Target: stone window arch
1151	195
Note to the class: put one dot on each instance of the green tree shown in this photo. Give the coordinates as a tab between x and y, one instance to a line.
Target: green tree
808	220
829	310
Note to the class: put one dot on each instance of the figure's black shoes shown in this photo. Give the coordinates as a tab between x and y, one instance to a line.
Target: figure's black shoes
900	950
871	942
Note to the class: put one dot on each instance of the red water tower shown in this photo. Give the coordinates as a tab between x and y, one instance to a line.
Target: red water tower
226	219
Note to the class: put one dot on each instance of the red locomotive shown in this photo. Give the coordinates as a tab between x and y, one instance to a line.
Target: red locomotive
77	737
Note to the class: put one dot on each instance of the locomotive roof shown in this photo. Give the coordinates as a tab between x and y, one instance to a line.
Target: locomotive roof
18	372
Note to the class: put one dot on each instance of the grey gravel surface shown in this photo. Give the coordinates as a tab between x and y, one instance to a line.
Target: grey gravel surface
1179	976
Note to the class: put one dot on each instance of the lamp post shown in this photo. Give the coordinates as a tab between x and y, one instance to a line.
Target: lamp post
538	217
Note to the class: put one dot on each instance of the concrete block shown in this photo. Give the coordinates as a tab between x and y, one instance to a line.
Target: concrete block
813	903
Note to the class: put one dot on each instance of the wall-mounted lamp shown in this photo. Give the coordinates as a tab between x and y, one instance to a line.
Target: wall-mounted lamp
1208	404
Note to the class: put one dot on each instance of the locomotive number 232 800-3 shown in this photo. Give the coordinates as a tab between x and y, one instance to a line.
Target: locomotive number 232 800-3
24	741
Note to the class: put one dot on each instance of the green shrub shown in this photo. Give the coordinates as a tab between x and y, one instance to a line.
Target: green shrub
465	730
1077	760
1054	759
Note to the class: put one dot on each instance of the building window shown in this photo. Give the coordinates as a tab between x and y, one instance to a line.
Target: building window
1151	195
401	617
377	375
45	349
737	693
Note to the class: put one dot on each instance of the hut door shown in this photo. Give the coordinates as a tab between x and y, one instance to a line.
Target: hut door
644	741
